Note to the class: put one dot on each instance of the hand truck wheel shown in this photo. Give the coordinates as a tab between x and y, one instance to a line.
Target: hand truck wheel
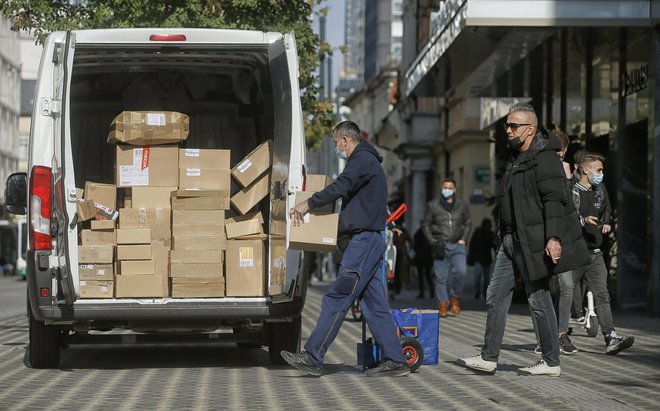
413	352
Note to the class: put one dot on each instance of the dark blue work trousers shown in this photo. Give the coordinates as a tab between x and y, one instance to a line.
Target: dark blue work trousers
358	276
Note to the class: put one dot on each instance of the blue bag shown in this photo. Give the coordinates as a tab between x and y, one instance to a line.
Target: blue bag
421	325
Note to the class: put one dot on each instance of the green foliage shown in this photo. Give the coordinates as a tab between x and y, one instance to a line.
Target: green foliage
41	17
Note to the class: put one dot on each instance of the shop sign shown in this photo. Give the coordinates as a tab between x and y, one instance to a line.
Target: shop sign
482	174
635	80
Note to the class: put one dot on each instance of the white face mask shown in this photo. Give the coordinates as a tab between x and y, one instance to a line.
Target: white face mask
447	192
341	154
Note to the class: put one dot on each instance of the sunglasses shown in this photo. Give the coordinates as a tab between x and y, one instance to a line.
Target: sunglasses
514	126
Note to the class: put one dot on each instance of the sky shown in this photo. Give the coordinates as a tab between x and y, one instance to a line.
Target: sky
334	34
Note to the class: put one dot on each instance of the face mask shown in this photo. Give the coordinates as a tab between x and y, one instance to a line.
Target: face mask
595	179
515	144
340	154
446	192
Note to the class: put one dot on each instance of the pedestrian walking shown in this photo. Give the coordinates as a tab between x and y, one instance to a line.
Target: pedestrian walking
363	189
539	233
593	204
446	225
423	262
481	256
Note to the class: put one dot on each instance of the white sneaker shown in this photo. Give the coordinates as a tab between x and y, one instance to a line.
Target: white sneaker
540	368
479	364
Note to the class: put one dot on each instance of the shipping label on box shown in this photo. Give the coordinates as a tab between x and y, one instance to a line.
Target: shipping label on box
317	233
245	199
305	195
204	179
138	286
216	217
149	127
147	166
96	289
103	225
137	267
195	270
245	275
103	194
253	165
204	158
134	252
91	237
133	236
158	220
217	243
151	197
201	257
96	272
198	230
102	254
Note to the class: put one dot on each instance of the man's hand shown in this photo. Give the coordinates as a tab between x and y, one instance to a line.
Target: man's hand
553	250
461	242
298	212
606	228
591	220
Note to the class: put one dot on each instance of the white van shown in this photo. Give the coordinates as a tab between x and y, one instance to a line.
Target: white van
239	89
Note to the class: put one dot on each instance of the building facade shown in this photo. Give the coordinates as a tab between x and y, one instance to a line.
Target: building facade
10	89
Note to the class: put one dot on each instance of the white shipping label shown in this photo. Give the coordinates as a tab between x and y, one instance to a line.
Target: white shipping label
133	176
87	266
156	119
137	156
306	218
193	172
328	240
246	256
83	283
104	289
100	272
244	166
192	152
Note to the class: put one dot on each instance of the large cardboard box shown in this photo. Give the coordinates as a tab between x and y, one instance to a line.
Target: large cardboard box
245	225
198	217
85	209
204	158
137	267
90	237
96	289
151	197
149	127
200	243
305	195
96	272
245	199
317	182
102	254
253	165
104	194
156	166
198	290
200	257
204	179
158	220
139	286
195	270
134	252
245	275
198	230
133	236
207	200
103	225
318	233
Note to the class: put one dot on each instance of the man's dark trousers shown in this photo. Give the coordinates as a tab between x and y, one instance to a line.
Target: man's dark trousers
358	276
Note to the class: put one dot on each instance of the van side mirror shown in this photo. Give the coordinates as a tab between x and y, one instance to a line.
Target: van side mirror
16	193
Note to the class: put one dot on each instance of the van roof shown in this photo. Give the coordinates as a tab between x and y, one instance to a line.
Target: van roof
197	36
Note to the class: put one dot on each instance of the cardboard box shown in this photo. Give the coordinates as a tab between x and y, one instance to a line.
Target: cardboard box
216	217
155	219
248	224
133	236
149	127
253	165
103	225
200	257
305	195
102	254
139	286
195	270
137	267
201	203
198	280
204	158
90	237
134	252
96	289
151	197
317	182
104	194
96	272
198	290
198	230
160	250
85	209
200	243
318	233
156	166
204	179
245	275
244	200
80	193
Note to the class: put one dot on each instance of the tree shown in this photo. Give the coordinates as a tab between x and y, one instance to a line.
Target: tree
40	17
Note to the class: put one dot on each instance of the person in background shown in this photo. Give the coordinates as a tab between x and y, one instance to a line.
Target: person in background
423	262
480	254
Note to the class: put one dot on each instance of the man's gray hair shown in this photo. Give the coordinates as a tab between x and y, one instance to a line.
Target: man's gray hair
521	107
348	129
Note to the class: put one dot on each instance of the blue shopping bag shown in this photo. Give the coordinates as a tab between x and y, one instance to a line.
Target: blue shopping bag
421	325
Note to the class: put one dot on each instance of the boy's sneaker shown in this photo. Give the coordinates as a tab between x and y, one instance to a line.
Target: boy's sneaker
566	346
479	364
615	345
541	368
538	349
389	368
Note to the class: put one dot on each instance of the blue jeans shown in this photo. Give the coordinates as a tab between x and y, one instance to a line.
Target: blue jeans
565	301
358	276
498	302
454	259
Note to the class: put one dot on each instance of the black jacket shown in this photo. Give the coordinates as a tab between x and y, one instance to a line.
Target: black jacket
541	208
447	226
363	190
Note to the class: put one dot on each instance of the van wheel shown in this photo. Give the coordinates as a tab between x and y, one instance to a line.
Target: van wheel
44	347
283	336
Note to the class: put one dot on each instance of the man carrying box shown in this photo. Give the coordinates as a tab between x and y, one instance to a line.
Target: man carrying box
363	188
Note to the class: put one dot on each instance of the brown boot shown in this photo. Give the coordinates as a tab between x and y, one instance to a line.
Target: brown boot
454	305
442	309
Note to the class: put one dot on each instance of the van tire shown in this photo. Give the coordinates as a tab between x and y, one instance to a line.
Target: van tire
44	347
283	336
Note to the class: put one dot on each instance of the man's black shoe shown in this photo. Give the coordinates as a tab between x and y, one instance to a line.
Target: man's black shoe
389	368
617	344
302	362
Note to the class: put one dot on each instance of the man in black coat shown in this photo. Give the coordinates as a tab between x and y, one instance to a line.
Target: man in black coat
540	236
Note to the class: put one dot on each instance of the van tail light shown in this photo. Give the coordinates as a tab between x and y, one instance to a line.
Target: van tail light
41	183
167	37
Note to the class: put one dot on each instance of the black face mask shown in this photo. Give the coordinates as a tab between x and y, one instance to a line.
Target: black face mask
515	144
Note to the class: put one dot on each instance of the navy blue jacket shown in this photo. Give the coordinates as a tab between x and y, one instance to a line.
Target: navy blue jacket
363	190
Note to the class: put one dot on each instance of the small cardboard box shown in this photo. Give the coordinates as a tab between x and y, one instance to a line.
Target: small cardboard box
245	199
191	270
160	250
198	290
96	272
200	243
96	289
305	195
204	158
248	224
156	166
151	197
200	200
198	217
201	257
253	165
198	230
317	182
91	237
85	209
158	220
245	275
137	267
318	233
204	179
133	236
104	194
139	286
198	280
149	127
134	252
102	254
103	225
